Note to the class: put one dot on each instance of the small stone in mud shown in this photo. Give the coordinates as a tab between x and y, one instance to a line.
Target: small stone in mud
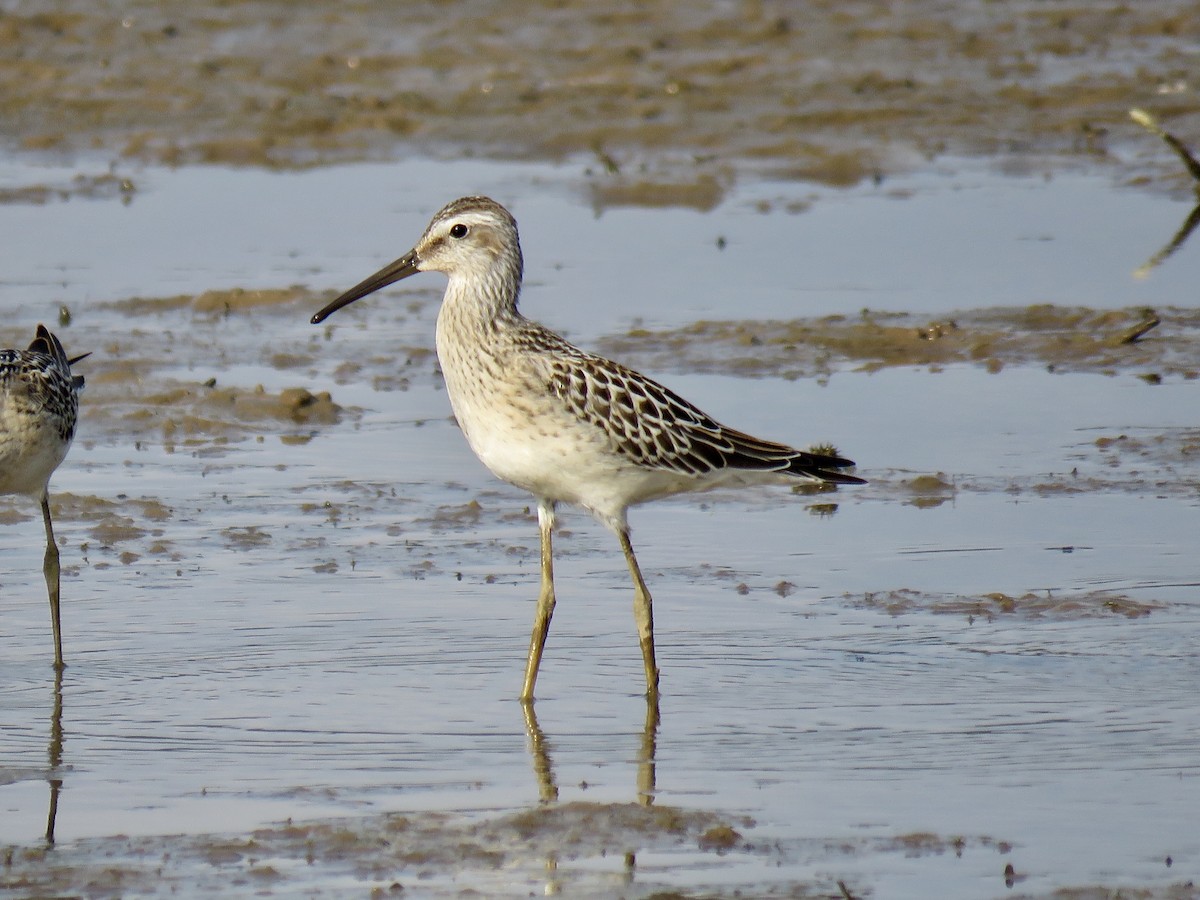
929	484
1010	875
305	405
719	838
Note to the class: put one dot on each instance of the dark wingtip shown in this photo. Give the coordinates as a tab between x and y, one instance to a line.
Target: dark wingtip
825	467
840	478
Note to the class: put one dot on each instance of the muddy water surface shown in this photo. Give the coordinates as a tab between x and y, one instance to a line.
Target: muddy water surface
296	606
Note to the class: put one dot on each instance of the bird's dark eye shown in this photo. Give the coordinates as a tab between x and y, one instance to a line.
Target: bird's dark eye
458	231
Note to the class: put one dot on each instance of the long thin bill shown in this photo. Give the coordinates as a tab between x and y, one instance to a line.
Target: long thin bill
389	274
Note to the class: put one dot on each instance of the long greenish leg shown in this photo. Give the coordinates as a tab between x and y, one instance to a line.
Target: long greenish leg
51	571
545	604
643	614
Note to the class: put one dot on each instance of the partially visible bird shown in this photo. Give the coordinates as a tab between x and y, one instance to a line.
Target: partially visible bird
566	425
39	405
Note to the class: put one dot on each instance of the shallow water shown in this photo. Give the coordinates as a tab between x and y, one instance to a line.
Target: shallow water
329	627
960	238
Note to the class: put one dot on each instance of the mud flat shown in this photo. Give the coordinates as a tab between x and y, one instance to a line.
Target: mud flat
676	100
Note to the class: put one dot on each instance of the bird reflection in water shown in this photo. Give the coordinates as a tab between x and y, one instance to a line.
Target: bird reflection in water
543	770
55	754
543	766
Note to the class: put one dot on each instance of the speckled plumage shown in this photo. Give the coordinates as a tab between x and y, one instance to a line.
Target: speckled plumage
564	424
39	405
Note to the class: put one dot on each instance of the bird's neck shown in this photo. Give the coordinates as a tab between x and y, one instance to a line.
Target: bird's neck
483	301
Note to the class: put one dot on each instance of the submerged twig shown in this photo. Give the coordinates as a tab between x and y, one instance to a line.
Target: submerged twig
1134	334
1150	123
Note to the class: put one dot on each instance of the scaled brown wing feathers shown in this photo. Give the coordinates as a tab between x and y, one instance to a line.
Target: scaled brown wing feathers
656	428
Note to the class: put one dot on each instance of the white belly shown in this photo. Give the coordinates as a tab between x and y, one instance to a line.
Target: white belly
29	452
528	437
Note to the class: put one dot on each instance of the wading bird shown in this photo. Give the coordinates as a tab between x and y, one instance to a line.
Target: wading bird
39	404
566	425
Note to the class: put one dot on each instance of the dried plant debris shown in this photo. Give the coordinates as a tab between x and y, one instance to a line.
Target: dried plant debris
1151	124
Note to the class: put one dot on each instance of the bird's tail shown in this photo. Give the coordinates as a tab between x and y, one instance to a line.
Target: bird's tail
757	454
823	467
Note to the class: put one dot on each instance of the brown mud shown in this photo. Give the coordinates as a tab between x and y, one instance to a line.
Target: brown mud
155	381
550	848
670	102
1058	605
168	392
1151	344
134	383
